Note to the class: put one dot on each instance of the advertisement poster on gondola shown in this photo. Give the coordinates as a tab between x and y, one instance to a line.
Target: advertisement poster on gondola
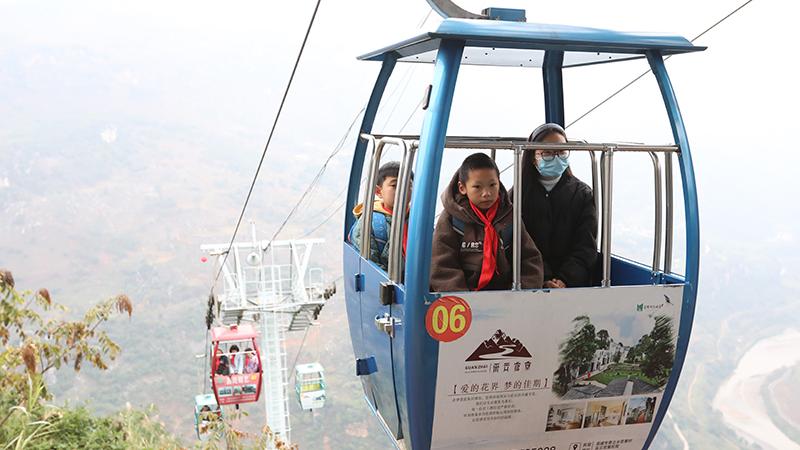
572	369
236	388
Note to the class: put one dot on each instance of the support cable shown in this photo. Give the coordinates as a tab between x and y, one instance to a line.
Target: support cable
591	110
339	146
297	355
328	218
303	343
311	188
314	181
205	365
640	76
269	139
407	78
343	191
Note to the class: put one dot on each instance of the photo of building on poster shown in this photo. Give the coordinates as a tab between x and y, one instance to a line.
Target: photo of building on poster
568	416
604	413
613	357
601	413
640	410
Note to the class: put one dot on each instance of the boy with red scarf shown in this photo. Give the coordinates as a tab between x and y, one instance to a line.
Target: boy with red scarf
469	251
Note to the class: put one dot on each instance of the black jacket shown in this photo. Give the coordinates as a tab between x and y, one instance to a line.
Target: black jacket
563	224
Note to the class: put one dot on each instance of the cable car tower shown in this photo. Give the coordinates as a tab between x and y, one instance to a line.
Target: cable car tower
271	284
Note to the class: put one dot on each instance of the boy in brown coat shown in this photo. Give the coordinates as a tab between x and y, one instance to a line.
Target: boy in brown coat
469	249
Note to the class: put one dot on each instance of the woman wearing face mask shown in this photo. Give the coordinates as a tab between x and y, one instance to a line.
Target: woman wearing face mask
559	212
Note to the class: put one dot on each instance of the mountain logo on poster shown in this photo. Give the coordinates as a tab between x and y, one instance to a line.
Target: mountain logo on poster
499	346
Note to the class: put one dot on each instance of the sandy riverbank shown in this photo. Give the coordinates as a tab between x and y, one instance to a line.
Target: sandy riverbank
739	398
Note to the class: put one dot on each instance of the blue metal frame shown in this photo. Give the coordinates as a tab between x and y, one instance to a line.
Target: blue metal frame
626	272
692	233
354	277
519	35
385	428
378	344
420	371
397	310
553	86
361	146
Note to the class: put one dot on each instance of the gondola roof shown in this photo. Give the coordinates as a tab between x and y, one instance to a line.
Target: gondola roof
502	43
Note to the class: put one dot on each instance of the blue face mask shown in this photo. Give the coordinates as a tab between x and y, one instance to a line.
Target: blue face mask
553	168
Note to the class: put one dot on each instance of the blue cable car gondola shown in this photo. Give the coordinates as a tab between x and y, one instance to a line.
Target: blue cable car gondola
206	411
485	369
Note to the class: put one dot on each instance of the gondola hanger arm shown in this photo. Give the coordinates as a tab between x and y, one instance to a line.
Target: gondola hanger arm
448	9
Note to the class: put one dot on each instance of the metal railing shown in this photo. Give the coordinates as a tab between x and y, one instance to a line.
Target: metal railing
400	218
369	193
658	207
517	221
401	198
669	213
603	202
511	143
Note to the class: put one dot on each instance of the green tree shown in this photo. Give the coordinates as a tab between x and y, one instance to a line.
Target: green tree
223	435
603	340
33	345
640	350
576	352
36	425
657	361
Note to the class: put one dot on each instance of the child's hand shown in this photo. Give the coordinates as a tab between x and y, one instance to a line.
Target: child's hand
555	283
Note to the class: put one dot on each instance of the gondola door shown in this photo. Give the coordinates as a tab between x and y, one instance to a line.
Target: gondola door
367	315
378	325
378	344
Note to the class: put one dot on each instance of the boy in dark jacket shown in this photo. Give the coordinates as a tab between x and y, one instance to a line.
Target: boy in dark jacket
469	252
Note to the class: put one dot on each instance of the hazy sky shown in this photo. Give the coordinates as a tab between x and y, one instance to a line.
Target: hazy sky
207	64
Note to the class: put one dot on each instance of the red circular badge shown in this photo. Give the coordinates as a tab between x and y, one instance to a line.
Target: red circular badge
448	318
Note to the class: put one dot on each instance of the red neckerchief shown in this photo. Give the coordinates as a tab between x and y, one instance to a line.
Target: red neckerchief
405	228
490	240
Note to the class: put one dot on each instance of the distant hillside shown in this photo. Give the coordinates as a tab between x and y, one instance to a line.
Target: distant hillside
90	218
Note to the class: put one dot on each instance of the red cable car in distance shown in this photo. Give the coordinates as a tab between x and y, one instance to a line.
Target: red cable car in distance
236	369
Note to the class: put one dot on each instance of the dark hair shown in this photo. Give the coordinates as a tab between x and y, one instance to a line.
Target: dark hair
538	135
233	347
390	169
476	161
223	367
544	130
